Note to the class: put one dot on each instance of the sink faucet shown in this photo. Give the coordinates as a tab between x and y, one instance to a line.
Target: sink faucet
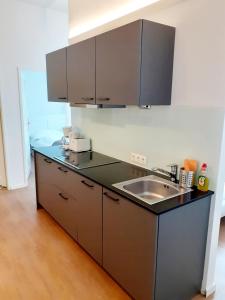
172	174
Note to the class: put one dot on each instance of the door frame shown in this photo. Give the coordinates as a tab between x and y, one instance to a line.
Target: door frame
21	108
4	181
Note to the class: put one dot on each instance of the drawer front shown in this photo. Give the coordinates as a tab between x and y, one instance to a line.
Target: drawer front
66	180
45	169
61	206
66	212
89	197
56	174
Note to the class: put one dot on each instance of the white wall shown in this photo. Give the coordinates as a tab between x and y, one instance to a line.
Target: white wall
88	14
193	125
27	34
164	134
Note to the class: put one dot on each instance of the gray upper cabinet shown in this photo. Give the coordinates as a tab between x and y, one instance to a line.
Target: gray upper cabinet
118	59
129	245
134	64
81	72
157	63
56	75
129	65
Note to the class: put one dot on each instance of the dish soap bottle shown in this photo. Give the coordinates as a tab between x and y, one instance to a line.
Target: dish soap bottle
203	180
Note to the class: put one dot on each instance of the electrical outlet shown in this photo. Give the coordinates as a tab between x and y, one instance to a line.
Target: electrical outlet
133	157
138	159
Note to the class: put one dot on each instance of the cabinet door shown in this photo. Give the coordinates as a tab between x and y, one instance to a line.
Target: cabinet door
56	76
129	245
118	59
81	72
89	197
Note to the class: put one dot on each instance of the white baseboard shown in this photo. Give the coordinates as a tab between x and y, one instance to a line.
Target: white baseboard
209	290
17	186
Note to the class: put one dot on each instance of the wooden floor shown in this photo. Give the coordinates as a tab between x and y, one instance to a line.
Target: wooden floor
38	261
220	268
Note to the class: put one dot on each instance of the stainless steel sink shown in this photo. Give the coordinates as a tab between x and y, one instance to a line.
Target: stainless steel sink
151	189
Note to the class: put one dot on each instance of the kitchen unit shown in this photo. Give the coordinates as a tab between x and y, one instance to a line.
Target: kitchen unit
153	251
129	65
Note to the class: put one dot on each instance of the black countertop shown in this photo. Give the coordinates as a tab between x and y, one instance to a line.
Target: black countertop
113	173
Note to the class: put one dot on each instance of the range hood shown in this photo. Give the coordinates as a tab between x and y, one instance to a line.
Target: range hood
97	106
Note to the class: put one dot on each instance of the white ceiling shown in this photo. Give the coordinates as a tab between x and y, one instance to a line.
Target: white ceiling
60	5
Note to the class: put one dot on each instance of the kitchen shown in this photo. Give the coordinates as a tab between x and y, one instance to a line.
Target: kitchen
97	61
161	135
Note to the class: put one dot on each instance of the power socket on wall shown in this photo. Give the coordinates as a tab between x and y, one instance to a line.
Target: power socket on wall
138	159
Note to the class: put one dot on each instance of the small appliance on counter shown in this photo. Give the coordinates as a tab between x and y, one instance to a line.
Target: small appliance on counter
75	141
66	131
79	144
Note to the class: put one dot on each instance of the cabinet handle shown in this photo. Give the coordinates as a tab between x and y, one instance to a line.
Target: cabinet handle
61	169
103	99
63	197
110	197
87	98
62	98
47	161
87	184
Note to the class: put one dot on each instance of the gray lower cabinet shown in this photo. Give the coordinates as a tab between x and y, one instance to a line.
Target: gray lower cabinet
89	195
153	257
53	195
182	236
57	75
74	202
129	245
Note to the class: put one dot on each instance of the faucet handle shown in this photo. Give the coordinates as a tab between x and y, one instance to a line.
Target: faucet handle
174	168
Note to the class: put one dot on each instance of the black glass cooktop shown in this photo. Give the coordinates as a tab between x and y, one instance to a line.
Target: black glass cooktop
84	160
